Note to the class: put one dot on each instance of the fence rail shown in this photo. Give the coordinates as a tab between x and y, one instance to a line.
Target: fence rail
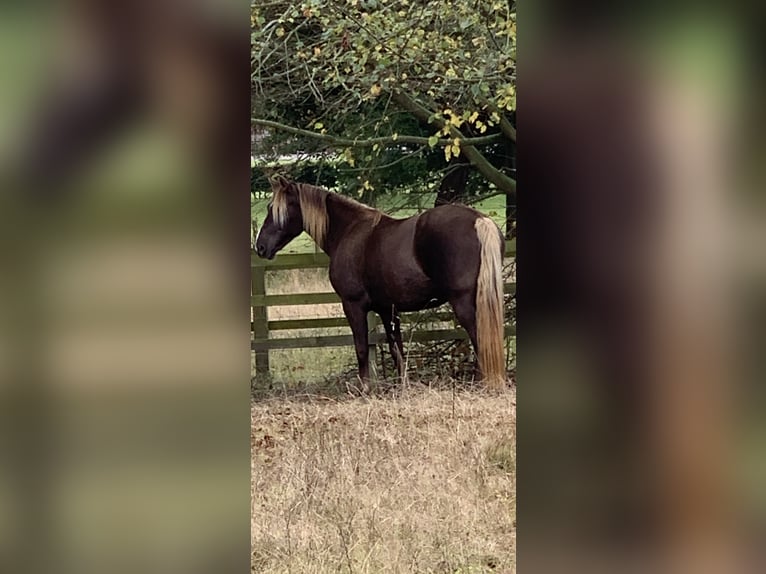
261	326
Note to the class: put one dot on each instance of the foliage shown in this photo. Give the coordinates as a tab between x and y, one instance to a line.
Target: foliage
382	81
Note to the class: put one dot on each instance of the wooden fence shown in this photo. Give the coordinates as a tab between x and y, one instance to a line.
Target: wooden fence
261	326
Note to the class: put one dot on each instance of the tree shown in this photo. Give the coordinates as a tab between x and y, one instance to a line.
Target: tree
380	82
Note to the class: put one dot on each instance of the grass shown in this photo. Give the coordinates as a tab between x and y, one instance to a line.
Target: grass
423	481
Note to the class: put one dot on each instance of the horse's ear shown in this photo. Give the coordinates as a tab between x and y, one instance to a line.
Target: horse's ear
279	182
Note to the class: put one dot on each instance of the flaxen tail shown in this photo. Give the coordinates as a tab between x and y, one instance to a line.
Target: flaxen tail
489	304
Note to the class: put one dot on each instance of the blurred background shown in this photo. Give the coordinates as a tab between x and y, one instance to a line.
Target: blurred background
124	350
640	297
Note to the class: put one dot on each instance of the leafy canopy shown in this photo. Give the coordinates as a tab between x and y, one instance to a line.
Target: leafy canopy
396	74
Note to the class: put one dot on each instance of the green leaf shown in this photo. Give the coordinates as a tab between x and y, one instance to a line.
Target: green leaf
433	140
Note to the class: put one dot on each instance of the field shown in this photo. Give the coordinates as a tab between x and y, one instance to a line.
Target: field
422	481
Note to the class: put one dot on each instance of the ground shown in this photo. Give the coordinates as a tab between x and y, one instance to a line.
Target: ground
419	481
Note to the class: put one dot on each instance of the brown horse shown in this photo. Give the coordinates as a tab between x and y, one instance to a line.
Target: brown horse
378	263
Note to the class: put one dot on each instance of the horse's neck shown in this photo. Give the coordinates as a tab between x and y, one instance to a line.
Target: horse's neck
342	215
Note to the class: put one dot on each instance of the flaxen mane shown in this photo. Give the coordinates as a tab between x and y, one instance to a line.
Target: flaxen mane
314	208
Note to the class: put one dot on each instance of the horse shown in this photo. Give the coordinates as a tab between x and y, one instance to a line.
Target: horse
449	253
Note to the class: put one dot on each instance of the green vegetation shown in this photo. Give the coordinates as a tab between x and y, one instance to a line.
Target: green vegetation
384	96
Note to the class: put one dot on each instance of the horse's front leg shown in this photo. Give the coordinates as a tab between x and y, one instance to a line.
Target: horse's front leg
356	314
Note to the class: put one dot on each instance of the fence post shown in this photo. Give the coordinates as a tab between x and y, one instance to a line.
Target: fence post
260	319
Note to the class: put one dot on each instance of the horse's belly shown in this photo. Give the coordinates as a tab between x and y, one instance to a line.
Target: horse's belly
420	304
407	290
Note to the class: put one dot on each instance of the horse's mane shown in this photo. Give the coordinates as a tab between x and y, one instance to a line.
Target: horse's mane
313	201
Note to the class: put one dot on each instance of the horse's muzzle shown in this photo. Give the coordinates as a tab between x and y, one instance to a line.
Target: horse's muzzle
263	253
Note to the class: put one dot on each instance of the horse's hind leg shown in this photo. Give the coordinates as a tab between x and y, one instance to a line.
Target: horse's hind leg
464	305
392	326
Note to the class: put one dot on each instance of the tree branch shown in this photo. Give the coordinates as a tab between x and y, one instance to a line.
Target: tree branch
507	128
369	142
494	175
505	125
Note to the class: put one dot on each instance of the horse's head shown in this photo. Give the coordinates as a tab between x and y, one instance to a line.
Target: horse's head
284	221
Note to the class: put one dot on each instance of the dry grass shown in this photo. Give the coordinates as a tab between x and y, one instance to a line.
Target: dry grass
420	482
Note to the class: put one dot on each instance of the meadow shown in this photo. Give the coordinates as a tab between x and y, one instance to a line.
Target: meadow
419	481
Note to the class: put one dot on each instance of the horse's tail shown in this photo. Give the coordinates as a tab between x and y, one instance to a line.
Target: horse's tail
489	304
